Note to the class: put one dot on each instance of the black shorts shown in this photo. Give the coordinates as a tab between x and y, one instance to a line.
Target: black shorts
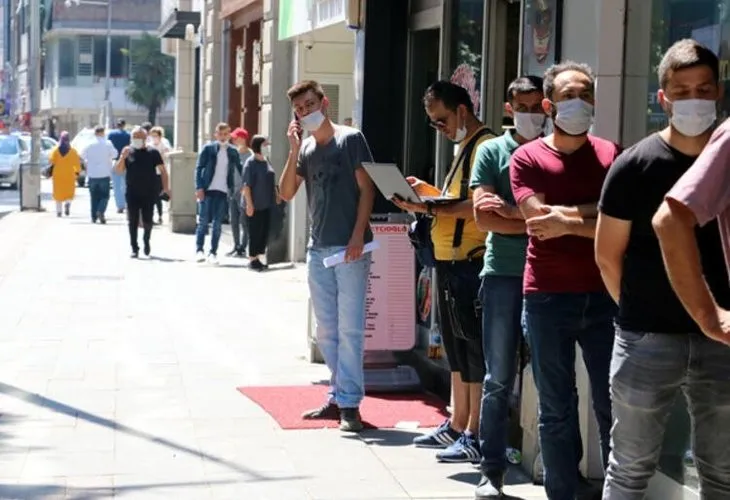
464	356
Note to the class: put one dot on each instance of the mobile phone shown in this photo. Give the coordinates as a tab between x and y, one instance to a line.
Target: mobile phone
296	119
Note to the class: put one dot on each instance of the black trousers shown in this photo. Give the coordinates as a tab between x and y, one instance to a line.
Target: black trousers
136	205
258	232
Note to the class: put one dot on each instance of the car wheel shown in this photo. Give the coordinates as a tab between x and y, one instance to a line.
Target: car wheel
14	186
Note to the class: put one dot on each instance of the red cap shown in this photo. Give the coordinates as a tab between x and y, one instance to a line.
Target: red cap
240	133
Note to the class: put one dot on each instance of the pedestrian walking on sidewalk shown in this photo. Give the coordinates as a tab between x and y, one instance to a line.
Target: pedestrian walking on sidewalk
156	139
237	215
120	138
141	164
213	181
99	159
65	167
340	196
260	196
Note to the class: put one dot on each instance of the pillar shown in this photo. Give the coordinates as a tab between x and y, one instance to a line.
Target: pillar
211	70
276	77
184	99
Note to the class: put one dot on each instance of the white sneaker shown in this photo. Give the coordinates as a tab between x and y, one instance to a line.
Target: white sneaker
199	257
212	259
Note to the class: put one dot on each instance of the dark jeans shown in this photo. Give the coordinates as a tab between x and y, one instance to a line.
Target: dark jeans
501	298
239	222
258	232
99	191
554	323
212	211
648	371
137	204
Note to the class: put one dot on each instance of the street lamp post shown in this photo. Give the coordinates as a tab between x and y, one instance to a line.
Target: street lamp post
107	106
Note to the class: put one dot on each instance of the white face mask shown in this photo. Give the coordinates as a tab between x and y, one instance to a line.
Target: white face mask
574	116
692	117
266	151
312	121
529	125
137	143
460	133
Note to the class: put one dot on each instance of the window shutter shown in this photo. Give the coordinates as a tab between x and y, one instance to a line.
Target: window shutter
86	55
333	94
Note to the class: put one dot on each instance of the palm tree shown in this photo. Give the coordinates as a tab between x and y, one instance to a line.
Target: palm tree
152	80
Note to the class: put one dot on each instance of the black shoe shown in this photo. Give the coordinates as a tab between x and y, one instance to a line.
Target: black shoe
102	219
120	210
147	248
256	265
134	254
232	252
67	210
327	411
93	220
58	214
350	420
240	252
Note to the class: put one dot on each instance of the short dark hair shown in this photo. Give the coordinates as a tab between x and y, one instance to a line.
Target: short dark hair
99	129
303	87
450	94
147	126
121	122
257	142
684	54
524	85
548	81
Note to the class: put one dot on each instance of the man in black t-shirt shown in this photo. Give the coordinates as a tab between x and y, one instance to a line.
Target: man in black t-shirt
658	349
141	165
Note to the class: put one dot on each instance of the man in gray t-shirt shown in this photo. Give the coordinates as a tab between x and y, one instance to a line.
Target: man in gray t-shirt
340	196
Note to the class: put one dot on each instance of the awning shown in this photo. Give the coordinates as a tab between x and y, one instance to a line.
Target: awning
297	17
230	7
174	25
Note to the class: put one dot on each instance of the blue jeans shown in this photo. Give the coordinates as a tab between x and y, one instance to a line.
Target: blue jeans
119	183
648	371
338	299
99	192
554	323
501	298
212	210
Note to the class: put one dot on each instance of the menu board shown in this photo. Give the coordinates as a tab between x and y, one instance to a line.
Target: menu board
390	316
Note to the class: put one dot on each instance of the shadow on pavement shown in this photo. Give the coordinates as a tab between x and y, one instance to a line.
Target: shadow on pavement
388	437
37	491
71	411
168	260
7	419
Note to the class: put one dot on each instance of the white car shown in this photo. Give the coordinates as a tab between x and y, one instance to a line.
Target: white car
47	145
13	152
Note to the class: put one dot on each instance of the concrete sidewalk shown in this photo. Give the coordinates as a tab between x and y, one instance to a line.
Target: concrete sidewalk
118	377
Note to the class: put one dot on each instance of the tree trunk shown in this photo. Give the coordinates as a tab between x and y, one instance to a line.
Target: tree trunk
152	115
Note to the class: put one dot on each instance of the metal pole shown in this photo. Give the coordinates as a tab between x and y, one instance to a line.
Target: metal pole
107	80
31	185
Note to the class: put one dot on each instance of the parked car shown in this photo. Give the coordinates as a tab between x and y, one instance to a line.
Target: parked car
13	152
82	139
47	144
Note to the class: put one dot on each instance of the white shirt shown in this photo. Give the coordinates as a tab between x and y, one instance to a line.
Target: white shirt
99	158
164	147
220	177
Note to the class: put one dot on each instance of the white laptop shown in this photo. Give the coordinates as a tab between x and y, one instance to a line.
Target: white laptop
391	182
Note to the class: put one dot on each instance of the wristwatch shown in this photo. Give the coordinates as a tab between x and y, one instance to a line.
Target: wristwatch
429	208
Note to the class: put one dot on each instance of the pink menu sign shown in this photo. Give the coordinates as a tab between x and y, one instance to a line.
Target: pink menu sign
390	317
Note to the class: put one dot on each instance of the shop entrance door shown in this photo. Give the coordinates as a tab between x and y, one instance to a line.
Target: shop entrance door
420	140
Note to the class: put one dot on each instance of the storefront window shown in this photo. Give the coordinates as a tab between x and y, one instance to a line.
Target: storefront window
703	20
466	47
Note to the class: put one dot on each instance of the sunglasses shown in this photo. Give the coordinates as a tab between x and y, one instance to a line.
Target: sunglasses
436	124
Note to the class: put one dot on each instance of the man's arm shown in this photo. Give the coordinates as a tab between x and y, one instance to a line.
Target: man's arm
612	238
674	225
490	221
365	204
121	164
290	179
459	210
164	177
247	196
552	221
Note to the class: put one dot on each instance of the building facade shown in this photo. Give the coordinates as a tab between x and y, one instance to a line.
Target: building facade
74	61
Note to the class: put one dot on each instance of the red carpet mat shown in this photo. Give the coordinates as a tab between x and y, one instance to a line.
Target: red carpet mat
384	411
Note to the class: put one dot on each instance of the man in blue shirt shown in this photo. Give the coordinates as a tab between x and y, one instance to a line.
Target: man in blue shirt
120	138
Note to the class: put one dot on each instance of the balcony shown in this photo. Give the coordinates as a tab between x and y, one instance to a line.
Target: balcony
90	97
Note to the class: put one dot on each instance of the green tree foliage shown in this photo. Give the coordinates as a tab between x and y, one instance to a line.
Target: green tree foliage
152	82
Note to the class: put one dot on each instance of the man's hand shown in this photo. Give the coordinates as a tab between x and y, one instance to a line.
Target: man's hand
414	208
200	195
548	226
294	134
168	193
125	152
720	330
354	248
491	202
249	210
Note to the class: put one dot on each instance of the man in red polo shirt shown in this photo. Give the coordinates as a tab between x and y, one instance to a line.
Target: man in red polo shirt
556	182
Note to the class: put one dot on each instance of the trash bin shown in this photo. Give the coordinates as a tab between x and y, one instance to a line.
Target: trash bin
30	186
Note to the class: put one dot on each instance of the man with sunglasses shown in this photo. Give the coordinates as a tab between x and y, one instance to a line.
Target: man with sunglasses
458	247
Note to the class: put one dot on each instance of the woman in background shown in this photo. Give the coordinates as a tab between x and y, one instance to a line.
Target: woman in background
65	167
157	140
259	192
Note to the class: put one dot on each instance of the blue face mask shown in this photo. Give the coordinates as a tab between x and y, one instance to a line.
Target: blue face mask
574	116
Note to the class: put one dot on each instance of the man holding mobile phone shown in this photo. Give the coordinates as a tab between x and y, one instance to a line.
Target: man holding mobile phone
340	196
